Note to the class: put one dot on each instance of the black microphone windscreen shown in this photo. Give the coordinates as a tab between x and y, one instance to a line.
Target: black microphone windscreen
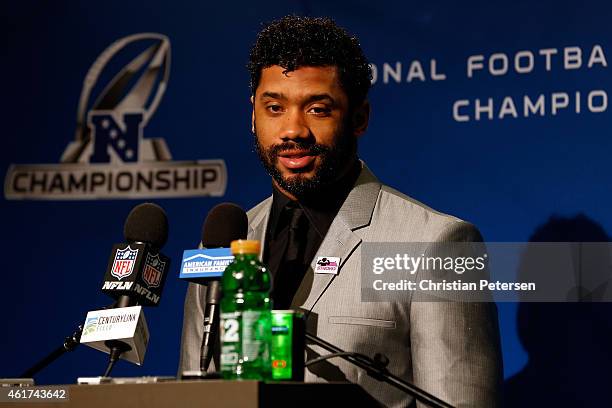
147	223
225	223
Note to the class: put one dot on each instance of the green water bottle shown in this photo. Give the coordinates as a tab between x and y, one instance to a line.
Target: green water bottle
246	310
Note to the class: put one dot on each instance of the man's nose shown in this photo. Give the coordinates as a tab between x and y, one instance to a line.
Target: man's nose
294	126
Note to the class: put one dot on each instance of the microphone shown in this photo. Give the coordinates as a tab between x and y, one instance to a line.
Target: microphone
136	270
224	223
134	277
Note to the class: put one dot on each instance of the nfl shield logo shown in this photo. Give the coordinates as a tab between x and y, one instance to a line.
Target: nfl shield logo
153	270
123	264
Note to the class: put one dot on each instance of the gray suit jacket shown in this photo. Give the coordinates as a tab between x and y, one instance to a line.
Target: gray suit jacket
449	349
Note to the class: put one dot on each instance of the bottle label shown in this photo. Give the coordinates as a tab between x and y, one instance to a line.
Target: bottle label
252	335
230	340
245	339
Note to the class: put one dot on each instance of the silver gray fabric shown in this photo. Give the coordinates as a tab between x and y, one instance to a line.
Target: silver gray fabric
449	349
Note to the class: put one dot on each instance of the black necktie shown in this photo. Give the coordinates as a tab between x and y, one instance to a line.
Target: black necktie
290	271
295	237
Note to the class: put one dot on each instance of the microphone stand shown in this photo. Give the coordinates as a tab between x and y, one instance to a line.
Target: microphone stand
376	368
70	344
211	324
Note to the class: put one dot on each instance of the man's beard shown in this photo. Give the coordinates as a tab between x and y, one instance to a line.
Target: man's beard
333	161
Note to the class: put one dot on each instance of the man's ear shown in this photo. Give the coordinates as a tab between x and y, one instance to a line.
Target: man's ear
361	118
252	115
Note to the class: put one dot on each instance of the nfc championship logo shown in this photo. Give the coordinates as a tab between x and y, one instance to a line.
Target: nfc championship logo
110	158
153	270
123	264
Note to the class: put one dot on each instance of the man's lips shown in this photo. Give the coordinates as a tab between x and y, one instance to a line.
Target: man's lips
296	159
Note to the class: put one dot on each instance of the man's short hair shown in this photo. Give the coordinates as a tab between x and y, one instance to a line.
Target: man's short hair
293	42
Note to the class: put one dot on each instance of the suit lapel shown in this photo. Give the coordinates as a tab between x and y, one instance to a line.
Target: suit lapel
341	240
258	223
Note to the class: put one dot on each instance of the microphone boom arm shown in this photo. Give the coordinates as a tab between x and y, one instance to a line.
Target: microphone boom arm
376	368
70	344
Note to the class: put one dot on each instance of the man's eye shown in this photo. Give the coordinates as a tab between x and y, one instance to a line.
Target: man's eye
274	108
320	110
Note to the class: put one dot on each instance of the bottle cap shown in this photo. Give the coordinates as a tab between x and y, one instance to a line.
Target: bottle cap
245	246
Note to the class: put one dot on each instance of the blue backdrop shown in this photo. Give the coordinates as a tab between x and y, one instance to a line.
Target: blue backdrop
505	174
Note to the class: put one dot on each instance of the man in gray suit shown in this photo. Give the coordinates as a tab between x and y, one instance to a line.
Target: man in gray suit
309	82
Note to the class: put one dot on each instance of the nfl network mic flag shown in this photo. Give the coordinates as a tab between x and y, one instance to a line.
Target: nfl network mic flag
136	270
